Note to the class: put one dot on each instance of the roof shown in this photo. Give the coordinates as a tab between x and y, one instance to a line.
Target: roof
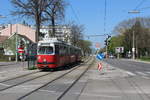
25	37
3	38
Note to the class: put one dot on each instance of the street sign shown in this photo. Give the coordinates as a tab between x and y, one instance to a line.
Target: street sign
21	50
99	66
97	45
100	56
119	49
133	49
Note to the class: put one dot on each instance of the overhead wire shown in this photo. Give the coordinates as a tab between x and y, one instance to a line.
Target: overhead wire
74	12
141	3
105	14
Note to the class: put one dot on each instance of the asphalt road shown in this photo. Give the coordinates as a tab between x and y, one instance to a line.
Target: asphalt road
132	67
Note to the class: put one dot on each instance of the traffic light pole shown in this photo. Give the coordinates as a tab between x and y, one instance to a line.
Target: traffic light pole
105	41
107	45
107	51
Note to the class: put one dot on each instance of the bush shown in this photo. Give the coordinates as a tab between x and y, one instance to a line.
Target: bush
145	58
7	58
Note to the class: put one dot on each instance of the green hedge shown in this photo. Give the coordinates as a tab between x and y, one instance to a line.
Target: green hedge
7	58
145	58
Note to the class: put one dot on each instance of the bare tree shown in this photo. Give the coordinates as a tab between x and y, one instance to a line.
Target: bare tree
55	11
76	34
31	9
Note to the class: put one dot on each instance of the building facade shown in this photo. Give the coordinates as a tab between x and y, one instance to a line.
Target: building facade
15	36
18	29
62	32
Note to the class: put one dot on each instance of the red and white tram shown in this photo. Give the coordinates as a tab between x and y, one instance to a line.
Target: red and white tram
52	53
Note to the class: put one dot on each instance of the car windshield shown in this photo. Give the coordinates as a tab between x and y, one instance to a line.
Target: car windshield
45	50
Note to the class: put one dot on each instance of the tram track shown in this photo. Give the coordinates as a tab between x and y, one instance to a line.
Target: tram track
138	89
75	81
61	77
20	78
19	81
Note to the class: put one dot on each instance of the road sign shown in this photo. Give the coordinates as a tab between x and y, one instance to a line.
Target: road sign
133	49
119	49
21	50
100	56
99	66
97	45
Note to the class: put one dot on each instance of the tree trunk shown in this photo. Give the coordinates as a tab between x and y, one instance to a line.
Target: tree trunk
38	21
53	26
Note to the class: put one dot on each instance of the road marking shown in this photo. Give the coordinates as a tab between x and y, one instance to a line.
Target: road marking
130	73
148	72
141	73
145	77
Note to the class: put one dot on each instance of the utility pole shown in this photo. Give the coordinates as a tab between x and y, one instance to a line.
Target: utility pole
133	48
133	45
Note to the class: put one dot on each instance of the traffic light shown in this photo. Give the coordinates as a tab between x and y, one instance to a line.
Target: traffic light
107	41
109	36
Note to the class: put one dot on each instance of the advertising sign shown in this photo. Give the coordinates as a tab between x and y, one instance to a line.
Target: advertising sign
119	49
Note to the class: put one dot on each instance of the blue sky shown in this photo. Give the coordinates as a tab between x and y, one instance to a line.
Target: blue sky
90	13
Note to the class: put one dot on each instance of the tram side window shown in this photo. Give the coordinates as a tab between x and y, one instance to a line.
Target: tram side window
72	51
57	49
68	51
65	50
60	50
45	50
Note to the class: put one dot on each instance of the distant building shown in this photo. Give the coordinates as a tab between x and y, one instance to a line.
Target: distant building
62	32
13	35
27	34
19	29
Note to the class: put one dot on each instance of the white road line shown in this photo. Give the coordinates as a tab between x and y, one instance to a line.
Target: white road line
130	73
141	73
145	77
148	72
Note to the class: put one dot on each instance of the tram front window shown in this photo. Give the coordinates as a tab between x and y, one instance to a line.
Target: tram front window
45	50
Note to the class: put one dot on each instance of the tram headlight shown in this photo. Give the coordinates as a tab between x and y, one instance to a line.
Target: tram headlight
44	60
39	57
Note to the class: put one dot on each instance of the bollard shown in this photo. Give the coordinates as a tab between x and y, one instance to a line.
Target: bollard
100	66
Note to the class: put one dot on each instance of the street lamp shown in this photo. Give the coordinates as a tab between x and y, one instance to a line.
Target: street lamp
133	43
